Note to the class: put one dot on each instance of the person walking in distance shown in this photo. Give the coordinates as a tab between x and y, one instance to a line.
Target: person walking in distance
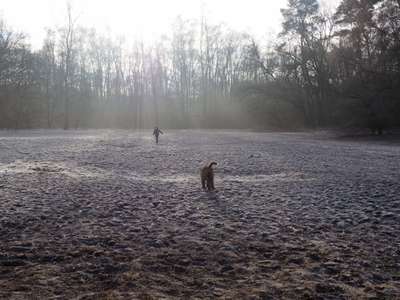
156	133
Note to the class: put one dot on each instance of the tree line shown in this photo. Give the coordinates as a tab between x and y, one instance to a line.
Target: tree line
324	69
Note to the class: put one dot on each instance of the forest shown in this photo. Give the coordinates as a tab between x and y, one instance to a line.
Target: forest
338	69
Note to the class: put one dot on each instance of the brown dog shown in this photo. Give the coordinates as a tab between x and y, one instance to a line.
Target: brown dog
207	176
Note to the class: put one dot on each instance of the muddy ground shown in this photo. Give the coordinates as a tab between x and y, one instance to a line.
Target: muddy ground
110	215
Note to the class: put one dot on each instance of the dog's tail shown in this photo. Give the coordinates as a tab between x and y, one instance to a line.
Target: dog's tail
212	164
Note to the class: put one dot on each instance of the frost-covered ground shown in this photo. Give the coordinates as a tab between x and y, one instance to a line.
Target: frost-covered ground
111	215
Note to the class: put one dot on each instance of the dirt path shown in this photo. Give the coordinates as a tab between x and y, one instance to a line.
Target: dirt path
111	215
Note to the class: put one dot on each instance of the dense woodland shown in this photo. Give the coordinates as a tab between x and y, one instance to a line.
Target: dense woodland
324	69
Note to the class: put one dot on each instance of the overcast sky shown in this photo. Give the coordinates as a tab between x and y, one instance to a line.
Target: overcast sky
142	18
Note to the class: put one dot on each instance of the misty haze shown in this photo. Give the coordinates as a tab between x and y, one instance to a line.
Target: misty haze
200	149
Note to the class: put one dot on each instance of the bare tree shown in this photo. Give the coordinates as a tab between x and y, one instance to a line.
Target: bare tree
68	48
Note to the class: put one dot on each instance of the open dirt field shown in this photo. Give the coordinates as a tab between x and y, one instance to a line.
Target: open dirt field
110	215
